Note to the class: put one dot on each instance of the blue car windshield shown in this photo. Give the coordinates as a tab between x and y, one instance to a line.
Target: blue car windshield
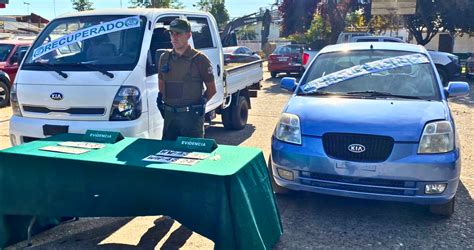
399	73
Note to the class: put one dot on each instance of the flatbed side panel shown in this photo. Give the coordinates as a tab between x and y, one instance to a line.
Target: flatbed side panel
241	77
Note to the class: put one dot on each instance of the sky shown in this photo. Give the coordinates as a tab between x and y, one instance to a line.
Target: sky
51	8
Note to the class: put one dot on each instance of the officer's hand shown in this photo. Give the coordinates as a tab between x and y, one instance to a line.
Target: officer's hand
160	104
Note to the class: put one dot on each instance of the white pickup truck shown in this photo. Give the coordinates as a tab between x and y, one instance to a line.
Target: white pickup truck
96	70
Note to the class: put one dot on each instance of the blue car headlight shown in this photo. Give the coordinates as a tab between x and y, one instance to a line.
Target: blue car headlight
438	137
288	129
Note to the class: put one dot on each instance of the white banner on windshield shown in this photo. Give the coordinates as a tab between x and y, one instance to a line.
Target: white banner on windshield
364	69
87	33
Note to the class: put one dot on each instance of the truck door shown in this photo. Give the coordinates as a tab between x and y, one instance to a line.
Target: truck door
205	38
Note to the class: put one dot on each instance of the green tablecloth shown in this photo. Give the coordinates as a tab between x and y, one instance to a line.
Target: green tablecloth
229	200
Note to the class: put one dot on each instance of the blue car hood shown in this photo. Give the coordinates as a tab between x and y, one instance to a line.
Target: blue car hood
403	120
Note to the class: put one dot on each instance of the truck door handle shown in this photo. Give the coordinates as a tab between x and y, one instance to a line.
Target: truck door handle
218	70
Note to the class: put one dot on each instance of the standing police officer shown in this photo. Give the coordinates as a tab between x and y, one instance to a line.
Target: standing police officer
182	72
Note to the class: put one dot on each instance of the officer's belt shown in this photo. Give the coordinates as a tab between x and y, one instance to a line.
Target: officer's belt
182	109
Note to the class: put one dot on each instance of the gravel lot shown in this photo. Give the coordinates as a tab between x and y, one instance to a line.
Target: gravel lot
309	220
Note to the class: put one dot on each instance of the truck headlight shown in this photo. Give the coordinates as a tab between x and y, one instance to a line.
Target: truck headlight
14	101
127	104
288	129
438	137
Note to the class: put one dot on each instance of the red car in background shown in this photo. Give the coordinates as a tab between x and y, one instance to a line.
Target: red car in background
286	59
11	54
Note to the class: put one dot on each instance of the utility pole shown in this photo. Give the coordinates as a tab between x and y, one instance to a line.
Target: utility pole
28	11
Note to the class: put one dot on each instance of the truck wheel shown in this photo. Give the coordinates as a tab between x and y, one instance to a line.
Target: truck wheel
273	74
240	114
443	75
445	209
227	118
4	94
277	189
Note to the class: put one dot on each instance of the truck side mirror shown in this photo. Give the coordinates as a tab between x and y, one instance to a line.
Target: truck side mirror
288	83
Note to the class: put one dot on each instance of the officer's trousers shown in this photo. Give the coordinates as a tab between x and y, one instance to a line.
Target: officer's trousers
188	124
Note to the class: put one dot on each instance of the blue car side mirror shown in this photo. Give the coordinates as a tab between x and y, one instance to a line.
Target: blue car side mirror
457	89
288	83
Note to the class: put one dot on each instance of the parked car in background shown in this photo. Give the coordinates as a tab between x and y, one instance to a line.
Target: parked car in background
11	54
239	54
372	121
286	59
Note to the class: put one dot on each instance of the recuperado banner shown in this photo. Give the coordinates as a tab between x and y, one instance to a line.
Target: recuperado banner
89	32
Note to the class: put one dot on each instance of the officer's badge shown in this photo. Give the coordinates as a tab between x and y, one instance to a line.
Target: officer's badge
209	70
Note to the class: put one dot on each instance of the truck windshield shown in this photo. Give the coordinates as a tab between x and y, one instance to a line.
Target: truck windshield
5	50
111	42
365	72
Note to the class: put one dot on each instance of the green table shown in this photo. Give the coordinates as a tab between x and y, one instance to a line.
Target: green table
229	200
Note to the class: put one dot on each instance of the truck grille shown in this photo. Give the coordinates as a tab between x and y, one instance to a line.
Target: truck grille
377	148
72	111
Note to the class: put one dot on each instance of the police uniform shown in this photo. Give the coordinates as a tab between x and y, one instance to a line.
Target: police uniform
184	106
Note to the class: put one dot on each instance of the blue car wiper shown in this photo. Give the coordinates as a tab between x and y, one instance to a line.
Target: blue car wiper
373	93
320	93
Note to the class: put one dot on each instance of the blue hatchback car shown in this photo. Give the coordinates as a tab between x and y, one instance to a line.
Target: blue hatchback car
370	120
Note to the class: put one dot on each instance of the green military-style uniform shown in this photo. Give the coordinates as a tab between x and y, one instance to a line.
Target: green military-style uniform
184	77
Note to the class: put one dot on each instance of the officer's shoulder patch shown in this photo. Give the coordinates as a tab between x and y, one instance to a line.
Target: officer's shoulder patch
209	70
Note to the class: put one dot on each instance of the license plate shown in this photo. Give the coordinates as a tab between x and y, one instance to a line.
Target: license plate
54	129
282	59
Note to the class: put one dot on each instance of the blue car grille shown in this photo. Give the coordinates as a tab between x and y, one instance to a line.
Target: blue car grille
377	148
357	184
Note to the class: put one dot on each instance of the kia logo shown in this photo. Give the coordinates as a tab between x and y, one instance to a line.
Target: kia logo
356	148
56	96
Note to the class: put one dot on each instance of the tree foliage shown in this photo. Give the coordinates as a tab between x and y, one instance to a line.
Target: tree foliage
320	29
335	11
297	15
433	16
82	5
174	4
216	8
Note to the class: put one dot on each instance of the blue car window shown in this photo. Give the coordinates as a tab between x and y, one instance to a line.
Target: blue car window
398	73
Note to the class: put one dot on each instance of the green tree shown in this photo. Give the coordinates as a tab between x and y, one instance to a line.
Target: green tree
82	5
174	4
433	16
320	29
335	11
297	15
216	8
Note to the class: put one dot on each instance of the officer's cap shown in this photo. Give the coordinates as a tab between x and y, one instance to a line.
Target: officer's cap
180	26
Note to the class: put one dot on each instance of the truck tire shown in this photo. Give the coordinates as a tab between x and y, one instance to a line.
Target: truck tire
276	189
4	94
445	209
273	74
227	118
443	75
240	113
